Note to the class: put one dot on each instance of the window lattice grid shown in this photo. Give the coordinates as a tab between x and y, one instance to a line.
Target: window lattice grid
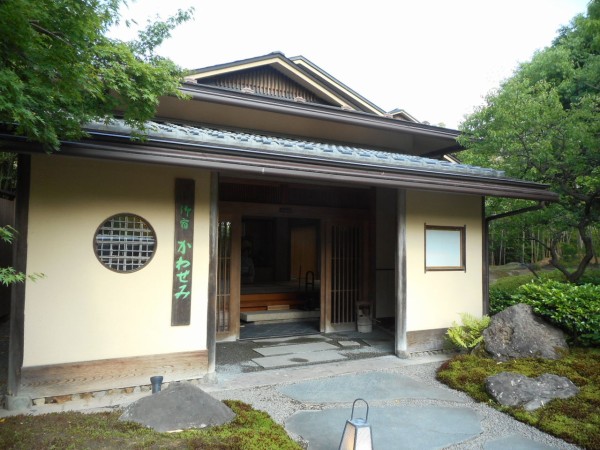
125	243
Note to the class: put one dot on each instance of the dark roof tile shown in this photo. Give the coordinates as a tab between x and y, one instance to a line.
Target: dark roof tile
292	148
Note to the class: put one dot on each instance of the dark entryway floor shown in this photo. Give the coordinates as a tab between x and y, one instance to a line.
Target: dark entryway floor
278	329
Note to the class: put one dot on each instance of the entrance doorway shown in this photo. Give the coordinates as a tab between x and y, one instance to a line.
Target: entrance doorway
290	254
280	277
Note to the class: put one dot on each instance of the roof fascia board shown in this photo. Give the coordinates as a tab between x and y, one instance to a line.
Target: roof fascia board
217	67
284	66
320	73
401	112
355	118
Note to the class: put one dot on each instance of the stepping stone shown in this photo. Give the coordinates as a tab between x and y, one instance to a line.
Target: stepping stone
515	442
347	344
296	359
402	427
371	386
295	348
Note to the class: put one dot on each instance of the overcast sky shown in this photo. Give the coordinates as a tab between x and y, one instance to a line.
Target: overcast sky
436	59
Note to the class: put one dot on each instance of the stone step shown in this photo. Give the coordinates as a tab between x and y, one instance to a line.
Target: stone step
287	314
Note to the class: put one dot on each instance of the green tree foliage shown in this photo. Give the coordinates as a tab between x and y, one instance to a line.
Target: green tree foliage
8	275
58	70
543	124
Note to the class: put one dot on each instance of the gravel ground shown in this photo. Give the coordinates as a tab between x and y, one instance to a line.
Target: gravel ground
235	359
494	424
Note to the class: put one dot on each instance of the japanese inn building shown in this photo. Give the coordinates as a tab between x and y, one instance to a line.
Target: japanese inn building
274	187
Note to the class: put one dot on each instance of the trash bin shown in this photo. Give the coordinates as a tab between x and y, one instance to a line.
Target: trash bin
363	317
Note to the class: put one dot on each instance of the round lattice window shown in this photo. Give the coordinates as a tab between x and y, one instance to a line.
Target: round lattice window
125	242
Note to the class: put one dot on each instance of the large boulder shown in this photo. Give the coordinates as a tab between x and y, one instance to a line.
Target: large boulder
514	389
181	406
517	332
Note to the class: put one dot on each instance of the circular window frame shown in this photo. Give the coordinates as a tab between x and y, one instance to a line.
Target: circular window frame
106	223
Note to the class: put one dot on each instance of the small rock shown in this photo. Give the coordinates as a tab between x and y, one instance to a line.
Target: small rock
514	389
60	399
181	406
86	395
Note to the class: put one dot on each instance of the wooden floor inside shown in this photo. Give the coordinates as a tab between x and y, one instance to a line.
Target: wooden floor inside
270	300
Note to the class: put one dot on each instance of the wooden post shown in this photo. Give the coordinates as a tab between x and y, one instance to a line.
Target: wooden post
401	344
211	326
17	310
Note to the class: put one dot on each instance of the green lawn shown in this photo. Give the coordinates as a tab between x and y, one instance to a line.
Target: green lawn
576	420
250	430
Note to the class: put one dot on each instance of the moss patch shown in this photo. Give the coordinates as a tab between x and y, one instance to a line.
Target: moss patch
251	429
575	420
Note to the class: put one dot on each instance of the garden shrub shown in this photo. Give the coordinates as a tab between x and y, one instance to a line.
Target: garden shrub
470	333
573	308
500	299
502	291
591	276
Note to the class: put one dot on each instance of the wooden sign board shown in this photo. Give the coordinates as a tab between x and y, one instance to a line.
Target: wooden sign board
181	300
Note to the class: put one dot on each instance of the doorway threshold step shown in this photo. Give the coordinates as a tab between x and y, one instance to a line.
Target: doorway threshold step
287	314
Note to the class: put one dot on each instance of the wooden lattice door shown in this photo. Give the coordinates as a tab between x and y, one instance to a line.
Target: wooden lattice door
346	273
228	286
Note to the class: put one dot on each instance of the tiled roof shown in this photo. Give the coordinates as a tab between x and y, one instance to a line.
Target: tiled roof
306	150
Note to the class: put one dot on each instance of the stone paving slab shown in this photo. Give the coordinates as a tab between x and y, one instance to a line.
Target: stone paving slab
401	427
299	359
295	348
371	386
515	442
375	334
386	345
303	372
348	344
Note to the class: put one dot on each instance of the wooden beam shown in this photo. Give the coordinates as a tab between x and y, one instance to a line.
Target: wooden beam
290	211
426	340
92	376
485	307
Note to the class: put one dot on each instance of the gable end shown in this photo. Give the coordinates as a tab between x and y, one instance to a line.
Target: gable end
264	81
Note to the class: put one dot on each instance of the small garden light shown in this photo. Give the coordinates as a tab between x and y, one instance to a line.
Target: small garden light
357	432
156	382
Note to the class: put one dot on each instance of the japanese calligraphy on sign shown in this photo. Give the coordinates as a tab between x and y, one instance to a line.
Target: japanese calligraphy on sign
181	299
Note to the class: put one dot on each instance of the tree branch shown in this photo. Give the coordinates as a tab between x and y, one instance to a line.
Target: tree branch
49	33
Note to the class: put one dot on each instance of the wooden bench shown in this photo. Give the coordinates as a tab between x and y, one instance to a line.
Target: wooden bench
274	300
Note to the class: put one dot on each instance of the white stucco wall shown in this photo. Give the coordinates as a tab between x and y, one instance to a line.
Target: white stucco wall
435	298
83	311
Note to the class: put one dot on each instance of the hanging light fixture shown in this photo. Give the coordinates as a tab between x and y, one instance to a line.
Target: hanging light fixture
357	432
